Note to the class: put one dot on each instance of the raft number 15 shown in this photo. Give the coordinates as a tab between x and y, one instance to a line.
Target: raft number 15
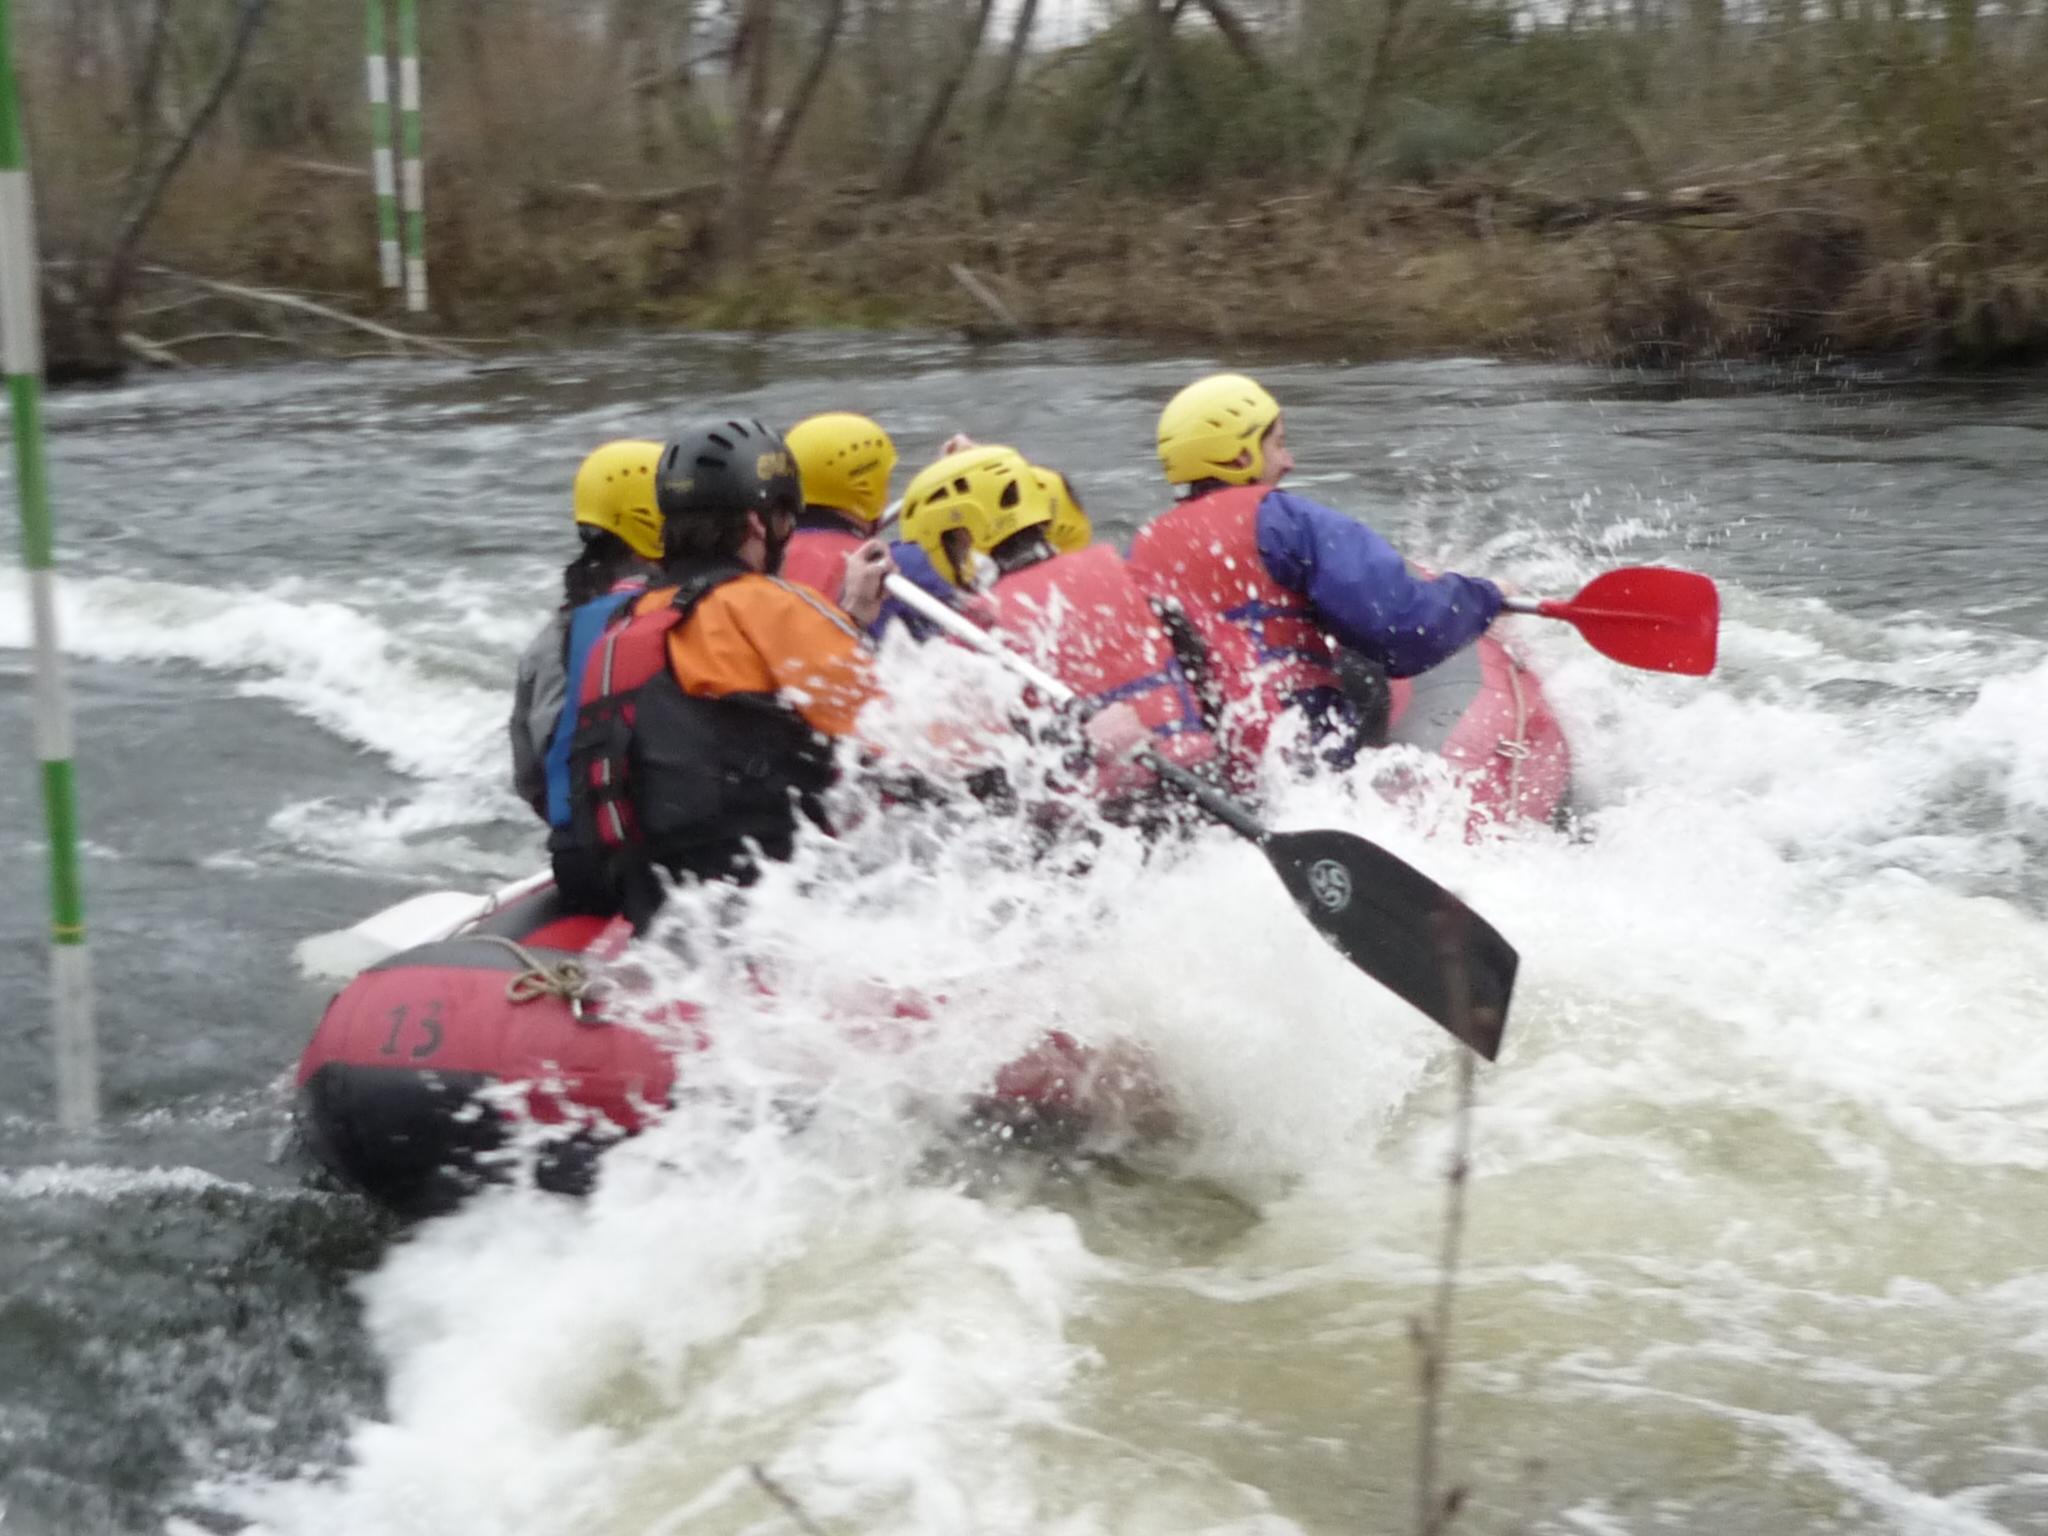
429	1028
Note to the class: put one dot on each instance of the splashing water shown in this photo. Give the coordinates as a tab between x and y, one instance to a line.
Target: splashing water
1751	1234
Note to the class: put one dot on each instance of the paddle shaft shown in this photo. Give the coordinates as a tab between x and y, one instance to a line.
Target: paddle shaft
1571	613
1390	921
1211	799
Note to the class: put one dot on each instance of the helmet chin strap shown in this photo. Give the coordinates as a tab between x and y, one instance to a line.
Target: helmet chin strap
773	548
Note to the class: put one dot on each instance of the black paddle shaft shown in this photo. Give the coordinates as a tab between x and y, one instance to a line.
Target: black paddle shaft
1394	923
1386	917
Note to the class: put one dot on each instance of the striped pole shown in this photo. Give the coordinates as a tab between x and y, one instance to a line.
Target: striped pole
380	151
21	348
409	129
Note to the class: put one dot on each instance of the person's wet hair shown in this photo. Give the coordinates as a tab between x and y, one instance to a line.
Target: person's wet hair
604	560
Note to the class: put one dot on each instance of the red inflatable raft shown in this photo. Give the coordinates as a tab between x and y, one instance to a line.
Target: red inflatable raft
1485	713
389	1087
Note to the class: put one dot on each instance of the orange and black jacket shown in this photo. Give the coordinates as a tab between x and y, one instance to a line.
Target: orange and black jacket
707	716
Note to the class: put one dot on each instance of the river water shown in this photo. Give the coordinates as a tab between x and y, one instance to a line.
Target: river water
1755	1236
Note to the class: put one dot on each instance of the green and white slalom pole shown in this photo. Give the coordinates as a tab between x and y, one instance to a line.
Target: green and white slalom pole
415	182
21	349
379	63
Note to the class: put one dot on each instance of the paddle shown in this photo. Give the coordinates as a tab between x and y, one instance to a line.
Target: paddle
1390	920
419	919
1647	616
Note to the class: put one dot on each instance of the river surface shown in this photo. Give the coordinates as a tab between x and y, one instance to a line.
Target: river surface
1758	1226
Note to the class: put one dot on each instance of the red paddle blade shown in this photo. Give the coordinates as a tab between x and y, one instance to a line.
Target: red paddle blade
1649	616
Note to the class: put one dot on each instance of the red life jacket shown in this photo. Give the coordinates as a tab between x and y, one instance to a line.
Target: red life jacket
1093	630
652	766
1265	647
816	556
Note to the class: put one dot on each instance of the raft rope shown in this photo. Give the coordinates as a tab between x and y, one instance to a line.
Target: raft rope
1516	751
569	979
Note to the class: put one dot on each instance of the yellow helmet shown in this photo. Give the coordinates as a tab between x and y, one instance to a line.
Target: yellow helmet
990	491
1070	528
615	491
1210	424
844	461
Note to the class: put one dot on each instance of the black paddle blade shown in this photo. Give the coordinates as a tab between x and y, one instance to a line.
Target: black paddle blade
1402	929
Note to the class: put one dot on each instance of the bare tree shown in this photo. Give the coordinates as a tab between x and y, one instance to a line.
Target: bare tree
631	32
1013	58
1237	34
915	172
1362	126
84	299
150	175
758	149
1155	56
148	76
1155	41
792	115
753	57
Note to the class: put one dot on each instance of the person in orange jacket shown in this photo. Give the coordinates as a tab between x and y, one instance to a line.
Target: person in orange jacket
706	715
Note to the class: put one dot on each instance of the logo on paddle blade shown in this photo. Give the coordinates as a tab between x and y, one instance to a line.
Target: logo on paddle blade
1330	883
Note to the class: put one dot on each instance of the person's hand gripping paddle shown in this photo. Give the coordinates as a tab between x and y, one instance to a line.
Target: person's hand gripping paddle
1390	920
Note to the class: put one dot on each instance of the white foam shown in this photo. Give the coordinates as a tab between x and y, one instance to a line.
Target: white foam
421	675
1760	1150
90	1181
325	658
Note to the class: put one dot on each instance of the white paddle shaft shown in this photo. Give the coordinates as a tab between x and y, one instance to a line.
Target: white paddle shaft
911	595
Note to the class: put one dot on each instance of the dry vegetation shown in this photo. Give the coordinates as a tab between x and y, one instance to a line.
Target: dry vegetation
1381	176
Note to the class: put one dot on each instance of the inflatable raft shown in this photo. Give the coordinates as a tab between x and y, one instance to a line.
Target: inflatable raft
1485	713
425	1070
425	1066
388	1088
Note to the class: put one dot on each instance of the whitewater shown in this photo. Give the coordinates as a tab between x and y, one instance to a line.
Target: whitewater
1752	1235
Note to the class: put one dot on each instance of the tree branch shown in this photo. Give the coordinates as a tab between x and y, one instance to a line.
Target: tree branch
1156	41
142	92
1013	56
1369	100
142	205
679	74
1237	34
800	103
911	178
753	53
305	306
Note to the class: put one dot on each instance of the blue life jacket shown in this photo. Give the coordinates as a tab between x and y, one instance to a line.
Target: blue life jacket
586	627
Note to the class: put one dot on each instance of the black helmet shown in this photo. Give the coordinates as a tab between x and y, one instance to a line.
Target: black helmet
725	470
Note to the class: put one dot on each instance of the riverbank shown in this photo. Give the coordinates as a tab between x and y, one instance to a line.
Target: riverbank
1671	190
1644	278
